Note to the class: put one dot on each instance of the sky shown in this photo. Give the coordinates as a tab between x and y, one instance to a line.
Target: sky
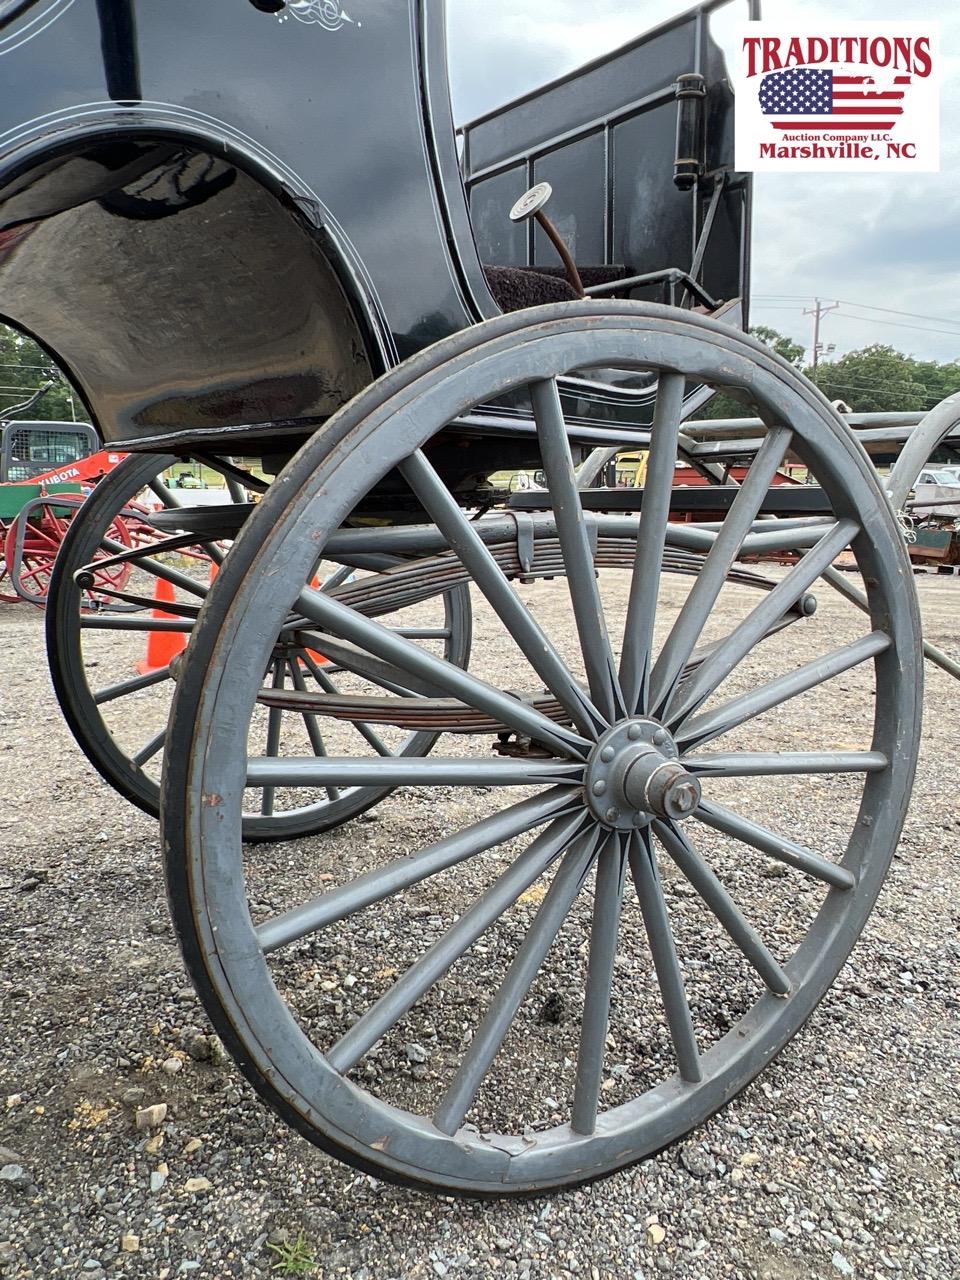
879	243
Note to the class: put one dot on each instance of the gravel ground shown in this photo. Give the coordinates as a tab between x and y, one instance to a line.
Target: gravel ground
842	1159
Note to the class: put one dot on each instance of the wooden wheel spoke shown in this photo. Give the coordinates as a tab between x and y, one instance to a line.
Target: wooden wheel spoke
350	658
496	1022
695	610
731	651
712	724
337	578
651	539
274	718
381	642
403	771
708	886
122	688
422	633
646	879
758	764
310	722
581	576
604	930
435	962
372	738
758	837
131	622
149	749
402	873
490	578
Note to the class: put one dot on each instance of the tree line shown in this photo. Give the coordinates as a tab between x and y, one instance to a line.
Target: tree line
874	379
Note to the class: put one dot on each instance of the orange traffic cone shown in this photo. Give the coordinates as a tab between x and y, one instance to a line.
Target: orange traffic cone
162	646
318	658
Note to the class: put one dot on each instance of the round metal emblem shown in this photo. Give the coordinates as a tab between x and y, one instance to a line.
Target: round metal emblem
531	202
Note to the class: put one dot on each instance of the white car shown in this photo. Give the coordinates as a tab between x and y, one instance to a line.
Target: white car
937	493
947	476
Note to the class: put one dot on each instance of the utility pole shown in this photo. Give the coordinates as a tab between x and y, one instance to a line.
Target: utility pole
817	312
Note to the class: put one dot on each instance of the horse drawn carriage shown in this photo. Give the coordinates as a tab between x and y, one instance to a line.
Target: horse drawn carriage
281	261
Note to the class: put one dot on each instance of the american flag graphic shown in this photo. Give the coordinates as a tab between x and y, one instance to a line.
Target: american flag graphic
848	102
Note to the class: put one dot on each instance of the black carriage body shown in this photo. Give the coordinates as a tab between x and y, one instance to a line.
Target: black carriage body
224	222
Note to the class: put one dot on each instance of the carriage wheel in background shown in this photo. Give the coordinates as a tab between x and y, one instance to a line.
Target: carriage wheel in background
113	666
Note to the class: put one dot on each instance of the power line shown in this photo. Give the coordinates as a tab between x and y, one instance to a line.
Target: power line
43	368
879	391
893	311
892	362
896	324
864	306
871	386
901	391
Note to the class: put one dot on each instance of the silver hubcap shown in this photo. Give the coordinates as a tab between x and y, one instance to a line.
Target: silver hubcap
634	775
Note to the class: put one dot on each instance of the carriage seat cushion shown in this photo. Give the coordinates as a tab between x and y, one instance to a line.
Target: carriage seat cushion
514	288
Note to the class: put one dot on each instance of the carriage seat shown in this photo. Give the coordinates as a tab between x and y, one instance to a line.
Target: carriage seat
514	288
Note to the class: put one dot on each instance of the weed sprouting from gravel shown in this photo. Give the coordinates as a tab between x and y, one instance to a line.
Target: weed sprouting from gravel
293	1257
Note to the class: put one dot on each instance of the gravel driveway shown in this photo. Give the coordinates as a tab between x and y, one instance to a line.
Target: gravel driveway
842	1160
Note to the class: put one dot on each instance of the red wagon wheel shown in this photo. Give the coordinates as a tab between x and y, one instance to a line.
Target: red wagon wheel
6	596
33	540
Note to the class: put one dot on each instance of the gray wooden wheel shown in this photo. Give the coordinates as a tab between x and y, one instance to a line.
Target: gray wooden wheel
118	716
613	937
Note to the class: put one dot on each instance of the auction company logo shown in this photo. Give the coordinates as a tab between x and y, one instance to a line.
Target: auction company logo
861	97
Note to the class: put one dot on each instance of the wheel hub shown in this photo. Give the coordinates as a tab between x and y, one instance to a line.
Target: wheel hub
634	775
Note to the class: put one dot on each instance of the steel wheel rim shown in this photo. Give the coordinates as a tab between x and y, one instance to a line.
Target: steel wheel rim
77	698
205	881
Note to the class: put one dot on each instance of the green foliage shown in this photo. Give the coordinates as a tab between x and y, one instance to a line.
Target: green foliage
24	366
876	379
940	380
880	379
791	351
293	1257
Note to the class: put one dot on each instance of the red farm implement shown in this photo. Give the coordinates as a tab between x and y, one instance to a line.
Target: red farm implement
46	470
